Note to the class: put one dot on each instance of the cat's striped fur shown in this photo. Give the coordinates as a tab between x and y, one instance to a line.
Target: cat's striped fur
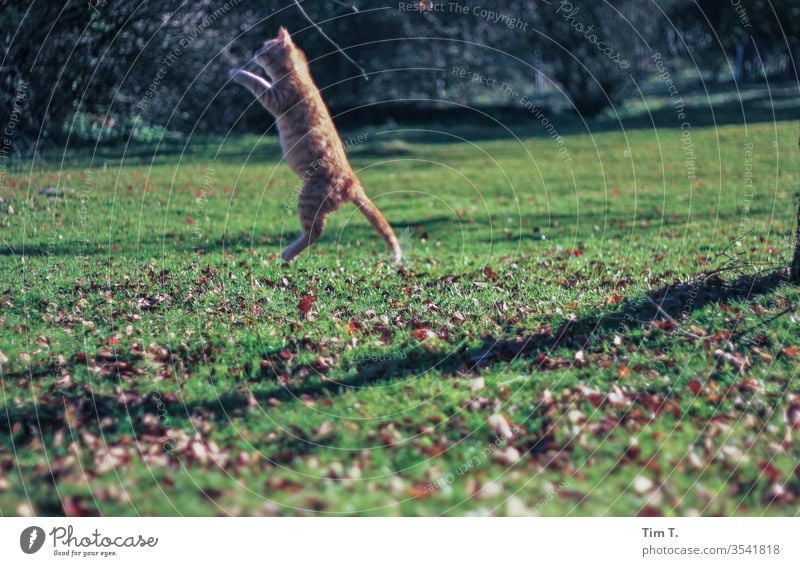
310	142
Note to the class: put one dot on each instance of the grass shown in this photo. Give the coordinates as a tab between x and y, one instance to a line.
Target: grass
159	358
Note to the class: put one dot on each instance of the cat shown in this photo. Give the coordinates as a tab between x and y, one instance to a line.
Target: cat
310	142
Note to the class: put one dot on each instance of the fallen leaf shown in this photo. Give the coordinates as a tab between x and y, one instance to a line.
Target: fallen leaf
508	456
499	424
305	304
422	334
642	484
772	473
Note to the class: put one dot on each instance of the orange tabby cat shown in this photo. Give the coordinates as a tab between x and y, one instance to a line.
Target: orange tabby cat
310	143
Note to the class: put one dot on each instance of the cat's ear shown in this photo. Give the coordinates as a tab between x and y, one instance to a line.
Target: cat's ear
284	36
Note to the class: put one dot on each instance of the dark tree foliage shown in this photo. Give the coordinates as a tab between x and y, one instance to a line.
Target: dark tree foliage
110	69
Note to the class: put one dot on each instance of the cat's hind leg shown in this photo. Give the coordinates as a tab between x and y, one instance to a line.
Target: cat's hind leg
312	221
308	237
294	249
379	222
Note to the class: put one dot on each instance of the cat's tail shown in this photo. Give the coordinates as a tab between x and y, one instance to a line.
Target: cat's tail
376	218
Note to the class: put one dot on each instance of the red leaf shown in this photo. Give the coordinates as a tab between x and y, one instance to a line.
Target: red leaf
614	299
422	334
695	386
790	352
773	474
542	360
722	335
489	273
665	325
419	490
113	341
305	304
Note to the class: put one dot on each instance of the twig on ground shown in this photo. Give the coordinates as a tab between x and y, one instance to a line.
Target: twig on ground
667	315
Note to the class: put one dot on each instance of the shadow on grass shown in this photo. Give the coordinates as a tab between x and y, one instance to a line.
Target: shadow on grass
530	227
669	304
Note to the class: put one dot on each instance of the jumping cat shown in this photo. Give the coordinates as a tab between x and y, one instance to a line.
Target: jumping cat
310	142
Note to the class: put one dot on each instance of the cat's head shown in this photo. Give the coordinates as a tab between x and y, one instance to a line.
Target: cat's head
279	55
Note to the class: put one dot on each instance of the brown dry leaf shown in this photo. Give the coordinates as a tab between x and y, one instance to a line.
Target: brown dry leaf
762	355
733	454
694	460
750	385
616	397
793	413
422	334
325	430
418	491
576	416
305	304
500	425
772	473
642	484
507	456
352	327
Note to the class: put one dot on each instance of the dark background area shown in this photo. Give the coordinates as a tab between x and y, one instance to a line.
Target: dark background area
79	71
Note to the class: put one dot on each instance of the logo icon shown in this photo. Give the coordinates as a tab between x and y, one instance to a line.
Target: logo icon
31	540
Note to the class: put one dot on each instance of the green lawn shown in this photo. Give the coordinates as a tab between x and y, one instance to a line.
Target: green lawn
159	358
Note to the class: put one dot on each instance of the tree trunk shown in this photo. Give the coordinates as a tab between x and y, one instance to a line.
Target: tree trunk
794	271
741	47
